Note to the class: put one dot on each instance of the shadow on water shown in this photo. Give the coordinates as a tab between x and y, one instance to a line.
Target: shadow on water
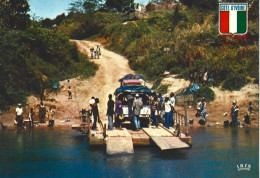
177	154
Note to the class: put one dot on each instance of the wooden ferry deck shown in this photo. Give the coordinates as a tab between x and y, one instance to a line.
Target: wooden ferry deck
123	141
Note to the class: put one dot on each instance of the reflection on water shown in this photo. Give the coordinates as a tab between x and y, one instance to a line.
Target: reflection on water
57	152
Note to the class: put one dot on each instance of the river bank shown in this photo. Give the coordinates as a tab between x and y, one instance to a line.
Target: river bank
112	67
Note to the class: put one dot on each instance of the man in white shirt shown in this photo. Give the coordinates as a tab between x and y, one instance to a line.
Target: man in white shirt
172	100
19	115
167	108
91	102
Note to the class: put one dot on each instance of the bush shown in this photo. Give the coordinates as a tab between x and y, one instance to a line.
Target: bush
205	92
163	89
33	59
235	82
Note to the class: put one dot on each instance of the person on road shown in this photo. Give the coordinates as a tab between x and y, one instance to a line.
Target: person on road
137	105
110	112
92	52
98	50
70	93
19	115
98	53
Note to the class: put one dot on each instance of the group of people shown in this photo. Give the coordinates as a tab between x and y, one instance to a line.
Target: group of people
95	53
201	109
162	111
234	113
43	113
134	109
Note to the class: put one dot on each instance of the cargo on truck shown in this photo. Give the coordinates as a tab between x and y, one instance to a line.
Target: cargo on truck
130	87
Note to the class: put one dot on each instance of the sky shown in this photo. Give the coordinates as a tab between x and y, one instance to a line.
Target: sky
52	8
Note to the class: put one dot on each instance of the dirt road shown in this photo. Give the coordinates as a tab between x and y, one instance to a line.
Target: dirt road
112	67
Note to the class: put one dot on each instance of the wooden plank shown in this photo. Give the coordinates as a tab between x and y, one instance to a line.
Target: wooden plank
118	133
119	145
167	143
157	132
140	138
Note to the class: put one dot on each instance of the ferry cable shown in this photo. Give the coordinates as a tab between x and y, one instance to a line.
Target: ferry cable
76	99
66	109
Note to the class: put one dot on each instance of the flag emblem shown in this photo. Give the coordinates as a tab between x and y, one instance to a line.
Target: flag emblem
233	18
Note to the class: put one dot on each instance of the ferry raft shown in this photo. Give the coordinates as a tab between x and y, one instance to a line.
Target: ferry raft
123	141
119	141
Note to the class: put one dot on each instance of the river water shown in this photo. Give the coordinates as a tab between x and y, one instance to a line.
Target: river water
62	152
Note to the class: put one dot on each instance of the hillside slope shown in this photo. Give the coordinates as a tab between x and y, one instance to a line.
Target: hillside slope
112	67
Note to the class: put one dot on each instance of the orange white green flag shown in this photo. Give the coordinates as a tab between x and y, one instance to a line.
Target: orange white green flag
233	18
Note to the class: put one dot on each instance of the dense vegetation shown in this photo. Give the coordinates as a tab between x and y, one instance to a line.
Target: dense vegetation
184	41
33	58
191	35
195	46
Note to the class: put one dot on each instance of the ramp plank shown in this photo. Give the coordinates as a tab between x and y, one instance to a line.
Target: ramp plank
157	132
140	138
118	133
167	143
119	145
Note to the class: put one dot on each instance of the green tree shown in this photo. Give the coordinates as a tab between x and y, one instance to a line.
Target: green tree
47	22
120	5
204	4
86	6
76	7
14	14
92	5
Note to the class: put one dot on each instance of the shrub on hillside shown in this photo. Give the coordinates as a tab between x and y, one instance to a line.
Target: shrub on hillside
206	92
32	60
195	46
